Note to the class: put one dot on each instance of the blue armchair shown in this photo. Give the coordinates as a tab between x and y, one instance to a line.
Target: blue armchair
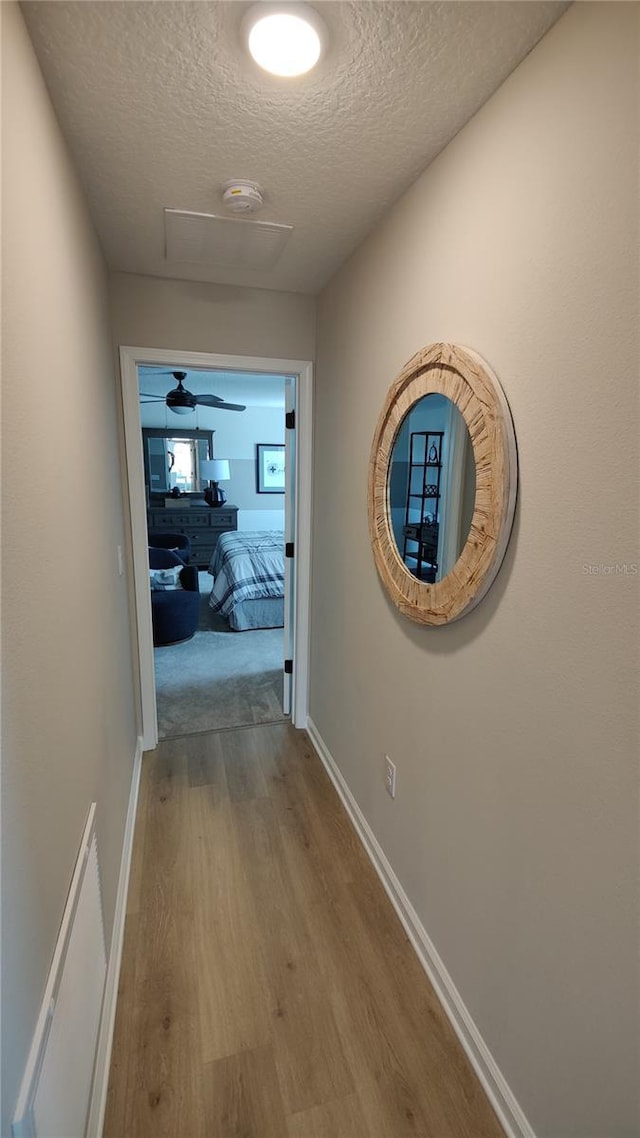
174	612
177	542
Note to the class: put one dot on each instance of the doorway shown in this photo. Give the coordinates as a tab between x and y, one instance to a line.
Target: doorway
296	379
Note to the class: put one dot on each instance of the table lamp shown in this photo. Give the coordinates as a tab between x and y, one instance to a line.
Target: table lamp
215	470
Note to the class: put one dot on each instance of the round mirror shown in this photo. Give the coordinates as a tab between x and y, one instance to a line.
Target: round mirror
432	487
442	484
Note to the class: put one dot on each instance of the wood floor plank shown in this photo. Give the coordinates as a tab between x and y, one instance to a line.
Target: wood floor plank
166	1097
384	1022
421	1011
375	1034
233	995
330	820
205	764
309	1057
242	1097
267	986
244	773
164	1085
118	1088
394	1087
319	866
341	1118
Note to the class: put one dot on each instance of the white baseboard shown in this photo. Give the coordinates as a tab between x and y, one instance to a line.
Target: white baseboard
98	1102
495	1085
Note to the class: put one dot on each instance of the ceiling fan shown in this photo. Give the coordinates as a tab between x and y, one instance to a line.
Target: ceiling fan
182	402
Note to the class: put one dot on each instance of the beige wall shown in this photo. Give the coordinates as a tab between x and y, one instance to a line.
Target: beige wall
153	313
68	716
515	731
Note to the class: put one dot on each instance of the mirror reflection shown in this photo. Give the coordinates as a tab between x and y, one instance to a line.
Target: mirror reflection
432	487
172	459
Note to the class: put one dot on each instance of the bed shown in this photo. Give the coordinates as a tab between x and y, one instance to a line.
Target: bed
248	579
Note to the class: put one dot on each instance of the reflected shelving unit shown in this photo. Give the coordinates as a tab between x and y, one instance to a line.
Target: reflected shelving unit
422	513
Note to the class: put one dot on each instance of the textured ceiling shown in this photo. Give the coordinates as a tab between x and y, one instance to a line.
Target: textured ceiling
160	105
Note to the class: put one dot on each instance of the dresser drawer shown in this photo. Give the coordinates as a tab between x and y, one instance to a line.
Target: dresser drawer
201	553
171	519
191	519
200	538
223	519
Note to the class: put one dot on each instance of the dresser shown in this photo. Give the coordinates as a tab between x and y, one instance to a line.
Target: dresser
201	524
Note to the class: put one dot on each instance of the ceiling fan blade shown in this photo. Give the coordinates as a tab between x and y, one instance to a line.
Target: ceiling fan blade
154	398
215	402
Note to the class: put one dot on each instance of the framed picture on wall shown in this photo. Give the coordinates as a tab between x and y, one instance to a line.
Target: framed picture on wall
270	468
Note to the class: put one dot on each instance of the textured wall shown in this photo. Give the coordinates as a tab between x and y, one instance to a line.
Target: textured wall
153	313
515	731
68	717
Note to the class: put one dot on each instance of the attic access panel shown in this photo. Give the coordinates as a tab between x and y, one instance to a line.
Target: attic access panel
205	238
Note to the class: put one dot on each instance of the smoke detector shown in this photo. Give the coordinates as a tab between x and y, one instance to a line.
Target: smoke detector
241	196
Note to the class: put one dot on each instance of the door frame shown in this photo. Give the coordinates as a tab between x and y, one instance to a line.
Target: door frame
130	359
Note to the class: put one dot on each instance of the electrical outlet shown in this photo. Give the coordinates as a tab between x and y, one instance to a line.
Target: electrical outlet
389	776
120	561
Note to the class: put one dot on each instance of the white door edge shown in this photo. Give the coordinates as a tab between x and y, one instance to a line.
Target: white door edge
289	536
130	359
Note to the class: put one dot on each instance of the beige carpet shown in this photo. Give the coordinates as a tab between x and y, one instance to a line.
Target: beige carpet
219	678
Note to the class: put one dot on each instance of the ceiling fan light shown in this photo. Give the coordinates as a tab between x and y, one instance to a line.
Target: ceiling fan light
286	40
180	410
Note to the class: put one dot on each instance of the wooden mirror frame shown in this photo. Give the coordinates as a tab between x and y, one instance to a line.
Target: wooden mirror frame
465	379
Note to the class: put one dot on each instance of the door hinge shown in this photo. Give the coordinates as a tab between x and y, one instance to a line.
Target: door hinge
288	667
290	420
289	549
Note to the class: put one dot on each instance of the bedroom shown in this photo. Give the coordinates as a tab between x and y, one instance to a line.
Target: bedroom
218	641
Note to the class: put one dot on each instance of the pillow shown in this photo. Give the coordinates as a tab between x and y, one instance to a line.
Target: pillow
164	579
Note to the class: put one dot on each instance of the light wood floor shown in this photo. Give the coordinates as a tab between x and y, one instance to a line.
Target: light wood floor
268	989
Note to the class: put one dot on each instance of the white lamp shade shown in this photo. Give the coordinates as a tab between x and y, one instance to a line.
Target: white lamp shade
215	469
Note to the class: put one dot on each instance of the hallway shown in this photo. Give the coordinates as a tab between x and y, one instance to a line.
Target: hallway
267	988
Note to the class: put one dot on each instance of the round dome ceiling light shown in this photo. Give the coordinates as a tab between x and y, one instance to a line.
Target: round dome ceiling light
284	39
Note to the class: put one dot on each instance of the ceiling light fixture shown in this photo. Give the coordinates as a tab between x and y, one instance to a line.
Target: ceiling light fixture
284	39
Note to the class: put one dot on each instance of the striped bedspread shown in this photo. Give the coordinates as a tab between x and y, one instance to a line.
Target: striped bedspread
246	566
